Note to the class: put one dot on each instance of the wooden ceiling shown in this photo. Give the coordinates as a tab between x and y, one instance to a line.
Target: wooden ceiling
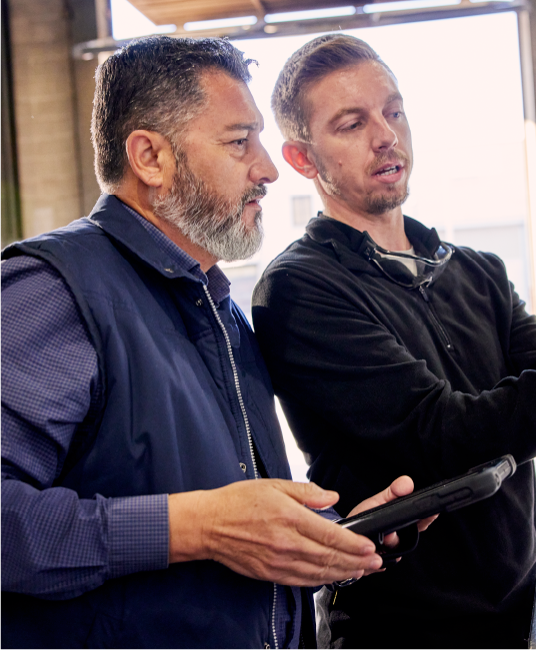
178	12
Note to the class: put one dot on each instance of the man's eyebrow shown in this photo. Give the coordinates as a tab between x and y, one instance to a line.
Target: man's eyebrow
243	126
355	110
393	97
346	111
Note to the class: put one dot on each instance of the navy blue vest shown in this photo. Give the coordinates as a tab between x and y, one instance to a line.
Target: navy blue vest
170	421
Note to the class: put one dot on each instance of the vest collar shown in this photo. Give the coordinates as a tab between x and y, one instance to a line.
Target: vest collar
111	215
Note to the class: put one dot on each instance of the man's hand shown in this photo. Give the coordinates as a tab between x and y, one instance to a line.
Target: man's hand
262	530
400	487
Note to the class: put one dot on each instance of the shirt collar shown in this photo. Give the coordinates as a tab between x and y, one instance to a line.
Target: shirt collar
215	279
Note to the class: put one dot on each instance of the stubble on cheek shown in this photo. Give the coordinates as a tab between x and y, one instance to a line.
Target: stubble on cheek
333	187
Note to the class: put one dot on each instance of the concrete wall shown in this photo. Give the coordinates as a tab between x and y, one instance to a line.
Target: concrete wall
84	74
51	130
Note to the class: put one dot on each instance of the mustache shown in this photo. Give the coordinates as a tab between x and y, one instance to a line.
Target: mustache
386	157
258	190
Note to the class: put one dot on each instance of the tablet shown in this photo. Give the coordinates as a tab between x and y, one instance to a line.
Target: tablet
478	483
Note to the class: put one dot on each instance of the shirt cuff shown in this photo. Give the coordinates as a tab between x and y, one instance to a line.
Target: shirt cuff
138	534
328	513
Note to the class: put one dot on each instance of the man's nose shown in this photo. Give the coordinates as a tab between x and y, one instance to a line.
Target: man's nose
383	136
263	169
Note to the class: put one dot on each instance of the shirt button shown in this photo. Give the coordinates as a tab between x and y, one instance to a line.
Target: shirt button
169	270
199	302
266	645
243	467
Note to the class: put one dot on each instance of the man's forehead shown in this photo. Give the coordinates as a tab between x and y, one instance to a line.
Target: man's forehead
231	100
358	78
350	89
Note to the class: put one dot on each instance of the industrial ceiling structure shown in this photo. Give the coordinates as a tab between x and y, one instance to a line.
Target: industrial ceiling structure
179	12
266	18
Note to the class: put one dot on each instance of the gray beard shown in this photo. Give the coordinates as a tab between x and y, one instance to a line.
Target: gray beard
209	220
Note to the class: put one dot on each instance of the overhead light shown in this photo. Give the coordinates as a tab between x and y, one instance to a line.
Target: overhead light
238	21
405	5
333	12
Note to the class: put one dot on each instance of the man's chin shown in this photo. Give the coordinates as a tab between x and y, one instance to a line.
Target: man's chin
386	202
236	244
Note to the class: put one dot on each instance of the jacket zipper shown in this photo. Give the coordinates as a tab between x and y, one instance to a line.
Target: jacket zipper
435	320
235	377
246	423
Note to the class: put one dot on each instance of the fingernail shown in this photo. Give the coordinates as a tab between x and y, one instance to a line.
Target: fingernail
376	563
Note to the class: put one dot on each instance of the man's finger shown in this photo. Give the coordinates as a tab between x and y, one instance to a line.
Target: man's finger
309	494
400	487
424	523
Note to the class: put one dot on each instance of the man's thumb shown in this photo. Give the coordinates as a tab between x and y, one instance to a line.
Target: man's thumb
312	495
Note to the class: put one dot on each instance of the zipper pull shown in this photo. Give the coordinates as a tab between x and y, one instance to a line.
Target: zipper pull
335	596
423	294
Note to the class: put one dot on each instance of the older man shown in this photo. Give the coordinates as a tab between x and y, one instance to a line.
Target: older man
392	352
129	375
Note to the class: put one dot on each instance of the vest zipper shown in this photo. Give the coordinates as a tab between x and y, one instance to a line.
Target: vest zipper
246	423
435	320
276	644
235	377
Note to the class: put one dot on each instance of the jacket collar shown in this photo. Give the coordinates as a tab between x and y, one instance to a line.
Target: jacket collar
349	244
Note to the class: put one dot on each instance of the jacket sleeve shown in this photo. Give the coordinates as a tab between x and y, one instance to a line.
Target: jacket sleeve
522	350
351	390
54	544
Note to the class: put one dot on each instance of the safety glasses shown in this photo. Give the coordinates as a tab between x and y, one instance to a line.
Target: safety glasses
395	265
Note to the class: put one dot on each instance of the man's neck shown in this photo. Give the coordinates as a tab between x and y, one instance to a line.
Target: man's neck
386	229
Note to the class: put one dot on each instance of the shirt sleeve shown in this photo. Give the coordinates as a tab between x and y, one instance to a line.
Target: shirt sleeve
54	544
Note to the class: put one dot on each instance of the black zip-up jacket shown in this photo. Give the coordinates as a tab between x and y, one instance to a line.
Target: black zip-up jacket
378	380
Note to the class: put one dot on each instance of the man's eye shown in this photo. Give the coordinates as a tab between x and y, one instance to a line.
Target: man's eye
241	142
352	126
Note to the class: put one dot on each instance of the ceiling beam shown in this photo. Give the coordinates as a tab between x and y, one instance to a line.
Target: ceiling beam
260	10
260	30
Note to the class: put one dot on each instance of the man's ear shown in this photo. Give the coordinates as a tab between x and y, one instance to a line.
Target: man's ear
297	155
150	157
